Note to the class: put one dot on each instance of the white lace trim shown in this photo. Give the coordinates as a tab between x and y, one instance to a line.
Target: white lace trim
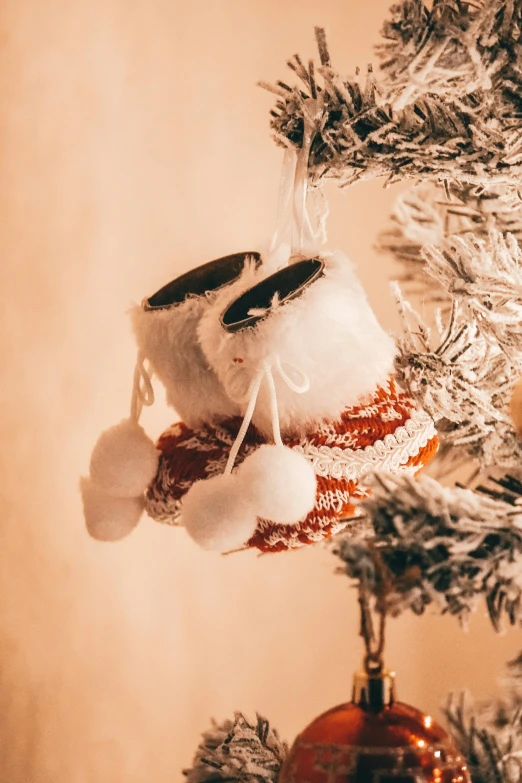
390	454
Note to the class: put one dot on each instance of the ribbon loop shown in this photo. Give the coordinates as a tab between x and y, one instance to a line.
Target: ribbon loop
298	388
265	372
295	227
142	391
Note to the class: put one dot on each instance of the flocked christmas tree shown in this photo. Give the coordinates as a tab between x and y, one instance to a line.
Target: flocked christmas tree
444	113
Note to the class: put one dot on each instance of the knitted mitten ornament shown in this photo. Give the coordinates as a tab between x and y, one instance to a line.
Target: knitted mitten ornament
299	355
303	357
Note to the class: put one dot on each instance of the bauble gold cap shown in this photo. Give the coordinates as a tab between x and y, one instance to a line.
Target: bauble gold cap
374	691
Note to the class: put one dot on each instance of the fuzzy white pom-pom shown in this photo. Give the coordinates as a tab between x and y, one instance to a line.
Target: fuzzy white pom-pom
109	518
217	515
124	460
280	483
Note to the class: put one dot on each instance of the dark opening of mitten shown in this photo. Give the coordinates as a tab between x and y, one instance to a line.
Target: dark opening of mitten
199	281
288	283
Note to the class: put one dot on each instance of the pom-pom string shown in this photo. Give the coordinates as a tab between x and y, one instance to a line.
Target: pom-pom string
142	391
254	392
276	427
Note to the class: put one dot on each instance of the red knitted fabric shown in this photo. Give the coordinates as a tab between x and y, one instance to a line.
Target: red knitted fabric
385	432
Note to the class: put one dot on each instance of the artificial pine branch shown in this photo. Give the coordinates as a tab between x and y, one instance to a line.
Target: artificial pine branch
441	545
490	734
448	108
455	250
429	215
464	381
238	751
481	749
485	276
455	49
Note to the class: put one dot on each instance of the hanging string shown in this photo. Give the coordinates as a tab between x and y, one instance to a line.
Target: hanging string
374	641
302	234
294	229
321	211
374	644
284	207
142	391
294	224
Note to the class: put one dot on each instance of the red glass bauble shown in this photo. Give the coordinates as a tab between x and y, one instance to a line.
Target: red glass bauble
362	743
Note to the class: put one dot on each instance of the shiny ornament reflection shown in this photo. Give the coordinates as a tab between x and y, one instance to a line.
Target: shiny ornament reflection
374	739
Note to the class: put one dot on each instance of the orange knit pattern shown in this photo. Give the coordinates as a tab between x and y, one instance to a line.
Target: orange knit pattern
342	452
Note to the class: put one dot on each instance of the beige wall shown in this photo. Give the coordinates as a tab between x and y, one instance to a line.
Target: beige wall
134	145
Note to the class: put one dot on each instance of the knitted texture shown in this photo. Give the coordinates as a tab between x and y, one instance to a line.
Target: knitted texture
385	432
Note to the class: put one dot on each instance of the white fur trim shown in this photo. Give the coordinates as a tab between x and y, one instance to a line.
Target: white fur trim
329	333
168	339
390	454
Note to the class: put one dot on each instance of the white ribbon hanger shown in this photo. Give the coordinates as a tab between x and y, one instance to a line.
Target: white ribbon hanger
296	231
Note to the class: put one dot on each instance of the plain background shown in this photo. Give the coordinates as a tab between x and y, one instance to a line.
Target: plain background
135	145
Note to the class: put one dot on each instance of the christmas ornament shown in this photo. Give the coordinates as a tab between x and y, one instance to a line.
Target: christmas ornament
385	431
371	739
299	355
374	739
